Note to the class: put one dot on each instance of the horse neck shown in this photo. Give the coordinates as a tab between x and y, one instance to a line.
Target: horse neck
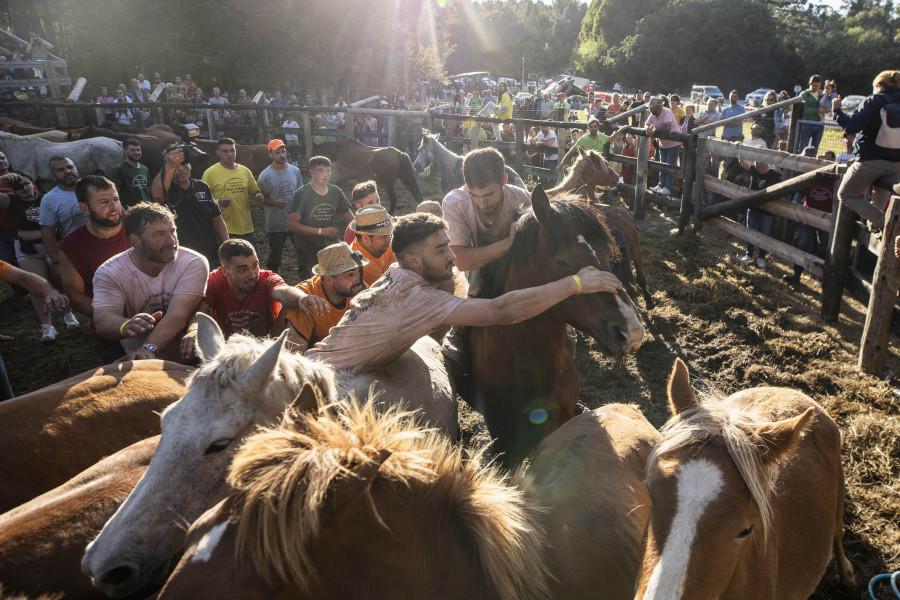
572	180
443	157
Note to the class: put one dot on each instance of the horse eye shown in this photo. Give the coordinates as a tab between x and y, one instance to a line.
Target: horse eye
745	533
217	446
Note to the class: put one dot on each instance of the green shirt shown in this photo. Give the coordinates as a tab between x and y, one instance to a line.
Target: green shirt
589	143
132	183
810	105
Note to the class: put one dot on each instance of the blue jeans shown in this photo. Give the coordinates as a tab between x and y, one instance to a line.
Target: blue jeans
810	135
761	222
8	245
670	157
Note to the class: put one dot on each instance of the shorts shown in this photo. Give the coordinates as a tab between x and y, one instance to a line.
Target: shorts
39	252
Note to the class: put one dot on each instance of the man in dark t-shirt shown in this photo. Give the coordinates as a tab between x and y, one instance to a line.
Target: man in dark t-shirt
198	217
312	214
132	179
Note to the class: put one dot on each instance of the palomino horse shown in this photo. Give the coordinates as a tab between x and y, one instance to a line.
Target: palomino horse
366	505
384	165
524	379
50	435
449	164
42	541
748	497
33	155
243	383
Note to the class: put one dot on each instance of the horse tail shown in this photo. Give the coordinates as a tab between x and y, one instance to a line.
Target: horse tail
408	177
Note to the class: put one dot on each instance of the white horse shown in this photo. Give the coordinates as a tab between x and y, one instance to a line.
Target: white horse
32	155
244	383
448	164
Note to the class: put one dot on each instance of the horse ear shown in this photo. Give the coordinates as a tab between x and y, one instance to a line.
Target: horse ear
581	151
540	204
681	394
262	369
210	340
778	438
307	400
357	480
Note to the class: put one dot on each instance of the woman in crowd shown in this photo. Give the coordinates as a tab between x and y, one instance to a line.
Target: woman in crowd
766	120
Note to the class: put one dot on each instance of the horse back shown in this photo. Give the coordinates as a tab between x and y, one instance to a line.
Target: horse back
43	540
590	474
48	436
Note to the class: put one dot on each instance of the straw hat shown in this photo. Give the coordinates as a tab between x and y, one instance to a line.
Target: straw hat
372	220
338	258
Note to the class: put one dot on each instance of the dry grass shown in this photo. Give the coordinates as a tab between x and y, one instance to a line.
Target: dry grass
736	327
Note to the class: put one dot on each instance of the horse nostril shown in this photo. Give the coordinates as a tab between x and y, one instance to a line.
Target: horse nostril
119	576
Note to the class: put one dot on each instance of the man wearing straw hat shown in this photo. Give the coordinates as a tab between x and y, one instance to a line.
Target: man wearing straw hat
374	230
336	278
385	320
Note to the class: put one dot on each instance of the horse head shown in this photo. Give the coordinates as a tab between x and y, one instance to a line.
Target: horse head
241	384
425	155
565	236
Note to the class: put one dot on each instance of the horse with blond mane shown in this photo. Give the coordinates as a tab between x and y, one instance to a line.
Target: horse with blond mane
748	497
360	504
242	384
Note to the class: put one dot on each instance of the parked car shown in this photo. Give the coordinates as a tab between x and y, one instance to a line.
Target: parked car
851	103
701	93
522	96
756	97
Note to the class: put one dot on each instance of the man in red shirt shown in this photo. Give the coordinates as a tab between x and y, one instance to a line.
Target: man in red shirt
243	298
89	246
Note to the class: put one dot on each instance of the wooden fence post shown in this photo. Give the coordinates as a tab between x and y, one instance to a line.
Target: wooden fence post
211	124
687	189
520	147
348	124
885	281
473	134
392	131
838	260
699	184
640	175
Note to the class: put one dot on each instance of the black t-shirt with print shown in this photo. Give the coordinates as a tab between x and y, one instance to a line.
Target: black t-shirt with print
194	209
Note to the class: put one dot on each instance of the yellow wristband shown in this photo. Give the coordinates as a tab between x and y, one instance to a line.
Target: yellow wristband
122	328
320	231
578	283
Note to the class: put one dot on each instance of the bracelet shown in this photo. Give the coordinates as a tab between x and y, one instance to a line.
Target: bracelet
577	283
122	328
320	231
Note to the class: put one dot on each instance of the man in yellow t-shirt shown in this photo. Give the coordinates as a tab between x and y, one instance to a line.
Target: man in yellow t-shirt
232	184
336	278
374	232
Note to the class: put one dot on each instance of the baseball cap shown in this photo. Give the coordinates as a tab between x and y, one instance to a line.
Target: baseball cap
275	145
654	102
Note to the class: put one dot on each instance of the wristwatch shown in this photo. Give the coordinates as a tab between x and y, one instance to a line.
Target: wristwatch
150	347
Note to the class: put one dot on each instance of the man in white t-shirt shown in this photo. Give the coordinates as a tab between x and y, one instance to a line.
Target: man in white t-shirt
385	320
480	214
547	139
145	296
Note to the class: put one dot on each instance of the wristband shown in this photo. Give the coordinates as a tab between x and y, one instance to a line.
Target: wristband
122	328
577	283
320	231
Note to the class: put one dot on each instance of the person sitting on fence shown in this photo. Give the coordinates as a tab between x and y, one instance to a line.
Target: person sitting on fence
877	121
761	176
662	120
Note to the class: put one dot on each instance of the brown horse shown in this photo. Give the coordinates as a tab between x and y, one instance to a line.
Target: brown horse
748	497
366	505
384	165
158	130
43	540
590	170
50	435
524	379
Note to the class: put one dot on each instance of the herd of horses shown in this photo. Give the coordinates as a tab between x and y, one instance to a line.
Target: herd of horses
264	474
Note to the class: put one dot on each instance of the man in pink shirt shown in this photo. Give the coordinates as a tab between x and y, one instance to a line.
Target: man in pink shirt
661	119
145	296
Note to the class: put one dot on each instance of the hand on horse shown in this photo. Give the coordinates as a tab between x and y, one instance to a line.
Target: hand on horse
594	280
138	354
314	304
188	343
140	323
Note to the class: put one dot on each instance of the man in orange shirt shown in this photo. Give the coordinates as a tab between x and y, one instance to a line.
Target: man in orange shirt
374	230
337	277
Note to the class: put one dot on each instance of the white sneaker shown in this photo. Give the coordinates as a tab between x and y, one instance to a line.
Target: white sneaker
655	189
761	263
70	320
665	191
746	259
48	333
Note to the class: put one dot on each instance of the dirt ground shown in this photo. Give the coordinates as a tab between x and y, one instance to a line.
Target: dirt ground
736	326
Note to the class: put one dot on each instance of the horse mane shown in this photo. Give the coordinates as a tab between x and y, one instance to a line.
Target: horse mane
714	419
227	369
571	217
572	181
282	475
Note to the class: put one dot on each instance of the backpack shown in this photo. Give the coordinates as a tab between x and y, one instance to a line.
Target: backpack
889	133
